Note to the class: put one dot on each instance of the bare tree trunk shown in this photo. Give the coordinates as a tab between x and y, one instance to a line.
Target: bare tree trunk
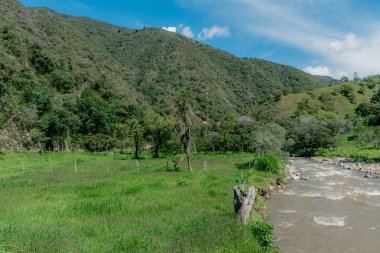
187	142
243	202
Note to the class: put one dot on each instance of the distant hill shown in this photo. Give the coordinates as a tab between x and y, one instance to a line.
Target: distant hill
327	78
327	102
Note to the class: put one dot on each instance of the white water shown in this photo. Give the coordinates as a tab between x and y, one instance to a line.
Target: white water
337	210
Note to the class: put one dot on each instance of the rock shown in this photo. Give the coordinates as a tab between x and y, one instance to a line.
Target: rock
263	192
368	175
292	173
305	178
295	177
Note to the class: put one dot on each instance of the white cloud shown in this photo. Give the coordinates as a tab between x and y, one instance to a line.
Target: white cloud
318	70
215	31
325	29
186	31
170	29
349	43
324	71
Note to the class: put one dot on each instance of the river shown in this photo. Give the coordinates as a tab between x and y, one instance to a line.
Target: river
337	210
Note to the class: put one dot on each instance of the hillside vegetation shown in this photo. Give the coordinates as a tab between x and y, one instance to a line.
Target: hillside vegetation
93	76
348	113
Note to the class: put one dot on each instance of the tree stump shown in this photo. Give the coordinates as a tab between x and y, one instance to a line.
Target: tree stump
243	201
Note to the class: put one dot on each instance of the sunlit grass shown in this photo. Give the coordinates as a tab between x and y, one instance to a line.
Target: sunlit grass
109	204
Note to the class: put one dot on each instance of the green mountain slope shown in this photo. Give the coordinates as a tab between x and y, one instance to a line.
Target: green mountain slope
325	102
351	112
49	61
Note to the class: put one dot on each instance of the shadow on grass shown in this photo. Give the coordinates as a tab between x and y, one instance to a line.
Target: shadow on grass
245	166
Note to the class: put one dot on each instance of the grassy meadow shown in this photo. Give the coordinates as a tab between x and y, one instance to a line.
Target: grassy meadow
353	149
112	203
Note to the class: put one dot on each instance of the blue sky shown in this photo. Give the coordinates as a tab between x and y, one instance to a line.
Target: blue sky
327	37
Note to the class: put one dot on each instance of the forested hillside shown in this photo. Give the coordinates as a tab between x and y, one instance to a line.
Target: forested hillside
68	82
344	119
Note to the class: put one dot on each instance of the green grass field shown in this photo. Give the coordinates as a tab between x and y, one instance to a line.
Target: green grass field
353	149
108	205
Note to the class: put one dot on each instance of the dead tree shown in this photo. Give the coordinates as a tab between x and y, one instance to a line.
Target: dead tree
184	112
188	117
243	201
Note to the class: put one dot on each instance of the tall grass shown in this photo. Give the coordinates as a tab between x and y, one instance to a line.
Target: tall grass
109	205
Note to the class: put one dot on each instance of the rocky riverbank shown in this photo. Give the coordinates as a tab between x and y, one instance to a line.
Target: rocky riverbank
291	172
370	169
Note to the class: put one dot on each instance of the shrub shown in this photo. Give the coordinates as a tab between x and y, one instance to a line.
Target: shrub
263	233
307	138
183	181
348	92
269	164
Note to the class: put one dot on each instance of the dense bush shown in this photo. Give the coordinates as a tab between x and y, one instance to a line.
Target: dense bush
348	92
269	164
370	111
99	142
263	232
306	138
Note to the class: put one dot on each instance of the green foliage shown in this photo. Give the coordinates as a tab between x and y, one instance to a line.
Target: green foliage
269	139
269	164
348	92
40	60
370	111
97	76
99	142
94	113
182	182
307	138
263	231
63	81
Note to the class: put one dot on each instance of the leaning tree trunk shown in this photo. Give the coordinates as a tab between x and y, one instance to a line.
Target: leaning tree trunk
137	146
243	202
187	142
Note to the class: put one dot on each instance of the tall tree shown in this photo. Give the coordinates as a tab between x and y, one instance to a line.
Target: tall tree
184	112
158	130
136	133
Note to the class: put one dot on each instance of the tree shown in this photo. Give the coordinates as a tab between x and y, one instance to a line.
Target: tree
348	92
171	149
58	124
40	61
269	139
158	130
122	136
184	112
94	113
307	138
226	131
63	81
344	79
244	130
136	133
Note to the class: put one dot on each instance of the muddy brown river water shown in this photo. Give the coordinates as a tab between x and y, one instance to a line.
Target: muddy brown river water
336	210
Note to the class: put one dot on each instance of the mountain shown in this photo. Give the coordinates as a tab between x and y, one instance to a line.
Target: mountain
49	61
327	78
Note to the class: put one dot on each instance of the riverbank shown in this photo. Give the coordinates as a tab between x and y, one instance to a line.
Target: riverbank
371	169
